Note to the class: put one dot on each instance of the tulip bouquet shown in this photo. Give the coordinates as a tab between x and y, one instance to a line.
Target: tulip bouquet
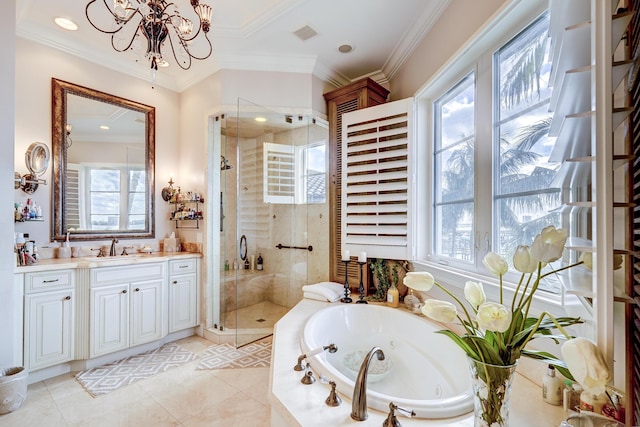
498	332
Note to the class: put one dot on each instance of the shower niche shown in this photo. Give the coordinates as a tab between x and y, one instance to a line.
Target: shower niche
272	183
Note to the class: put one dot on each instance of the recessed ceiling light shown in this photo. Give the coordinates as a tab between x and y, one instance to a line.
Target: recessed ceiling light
104	127
261	119
345	48
66	23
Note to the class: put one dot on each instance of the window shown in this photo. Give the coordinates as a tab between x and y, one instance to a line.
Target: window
524	198
105	186
453	159
493	186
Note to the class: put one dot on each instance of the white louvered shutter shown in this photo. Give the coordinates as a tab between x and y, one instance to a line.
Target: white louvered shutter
279	173
376	180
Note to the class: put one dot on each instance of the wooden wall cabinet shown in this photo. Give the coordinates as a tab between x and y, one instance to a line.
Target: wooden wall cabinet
355	96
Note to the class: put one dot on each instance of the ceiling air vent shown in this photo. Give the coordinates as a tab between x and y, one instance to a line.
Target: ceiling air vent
305	33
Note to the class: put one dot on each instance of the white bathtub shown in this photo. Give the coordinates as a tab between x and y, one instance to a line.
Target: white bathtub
429	372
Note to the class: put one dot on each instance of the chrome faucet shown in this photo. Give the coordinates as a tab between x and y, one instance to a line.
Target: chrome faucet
359	401
112	251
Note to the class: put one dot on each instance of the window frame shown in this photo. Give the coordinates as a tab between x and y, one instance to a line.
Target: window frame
477	57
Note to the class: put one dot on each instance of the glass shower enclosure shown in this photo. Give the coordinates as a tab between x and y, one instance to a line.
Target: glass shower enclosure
272	177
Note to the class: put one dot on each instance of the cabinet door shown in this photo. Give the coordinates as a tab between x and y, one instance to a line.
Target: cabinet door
146	311
183	302
49	329
109	319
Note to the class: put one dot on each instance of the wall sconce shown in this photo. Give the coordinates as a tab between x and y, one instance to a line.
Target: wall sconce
68	140
167	192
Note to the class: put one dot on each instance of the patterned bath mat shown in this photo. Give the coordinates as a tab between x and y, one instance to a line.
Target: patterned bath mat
224	356
107	378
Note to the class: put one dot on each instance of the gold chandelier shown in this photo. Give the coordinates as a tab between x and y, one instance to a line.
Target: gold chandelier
158	21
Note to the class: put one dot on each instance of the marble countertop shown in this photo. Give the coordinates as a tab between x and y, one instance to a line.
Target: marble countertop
294	403
108	261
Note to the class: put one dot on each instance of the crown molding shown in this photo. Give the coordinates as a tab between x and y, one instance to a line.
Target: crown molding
412	38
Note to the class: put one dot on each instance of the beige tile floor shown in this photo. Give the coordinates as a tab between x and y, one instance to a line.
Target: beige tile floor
182	396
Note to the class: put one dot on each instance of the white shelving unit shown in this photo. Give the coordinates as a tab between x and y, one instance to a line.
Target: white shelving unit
585	35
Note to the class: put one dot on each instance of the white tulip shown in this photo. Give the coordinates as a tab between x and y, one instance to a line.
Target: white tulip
495	263
587	260
549	244
419	280
441	311
474	293
586	364
494	317
523	261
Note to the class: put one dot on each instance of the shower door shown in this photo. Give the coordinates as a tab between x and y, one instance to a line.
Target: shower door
261	160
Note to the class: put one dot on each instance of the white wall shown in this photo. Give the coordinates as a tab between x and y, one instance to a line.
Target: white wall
36	65
457	24
10	312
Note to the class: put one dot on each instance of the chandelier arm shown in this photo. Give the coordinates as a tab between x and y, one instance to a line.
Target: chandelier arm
133	37
173	50
122	22
185	46
208	53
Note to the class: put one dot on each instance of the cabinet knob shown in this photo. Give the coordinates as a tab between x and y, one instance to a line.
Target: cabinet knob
68	297
137	289
175	282
124	291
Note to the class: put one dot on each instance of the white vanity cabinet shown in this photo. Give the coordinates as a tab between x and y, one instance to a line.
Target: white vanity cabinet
183	293
49	314
126	307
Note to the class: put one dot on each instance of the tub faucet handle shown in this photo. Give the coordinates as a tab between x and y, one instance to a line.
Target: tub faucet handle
308	378
392	420
333	399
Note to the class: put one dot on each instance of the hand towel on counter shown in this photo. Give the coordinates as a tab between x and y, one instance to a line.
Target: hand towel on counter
324	291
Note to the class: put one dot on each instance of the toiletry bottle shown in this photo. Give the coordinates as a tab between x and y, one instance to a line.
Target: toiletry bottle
552	387
226	265
246	264
571	395
235	263
393	296
592	403
260	261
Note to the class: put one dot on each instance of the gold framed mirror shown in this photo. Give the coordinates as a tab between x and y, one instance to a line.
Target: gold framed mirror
103	165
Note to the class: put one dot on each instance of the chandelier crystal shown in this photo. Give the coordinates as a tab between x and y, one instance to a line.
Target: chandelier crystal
159	22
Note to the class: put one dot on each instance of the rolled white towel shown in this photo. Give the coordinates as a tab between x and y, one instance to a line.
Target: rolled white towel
318	297
330	291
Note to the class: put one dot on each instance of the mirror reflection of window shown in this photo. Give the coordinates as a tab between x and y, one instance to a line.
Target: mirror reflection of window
115	198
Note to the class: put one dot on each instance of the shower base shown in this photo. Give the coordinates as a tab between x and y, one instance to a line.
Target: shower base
250	323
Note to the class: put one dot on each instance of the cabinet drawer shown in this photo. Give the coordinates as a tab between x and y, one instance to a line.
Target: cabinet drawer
126	274
182	266
48	281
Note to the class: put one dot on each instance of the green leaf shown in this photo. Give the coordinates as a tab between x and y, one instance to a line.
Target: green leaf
549	359
471	352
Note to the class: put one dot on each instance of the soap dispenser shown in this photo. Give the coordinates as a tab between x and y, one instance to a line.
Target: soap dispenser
393	296
552	387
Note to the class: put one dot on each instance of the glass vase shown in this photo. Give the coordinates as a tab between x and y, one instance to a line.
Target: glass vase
491	393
